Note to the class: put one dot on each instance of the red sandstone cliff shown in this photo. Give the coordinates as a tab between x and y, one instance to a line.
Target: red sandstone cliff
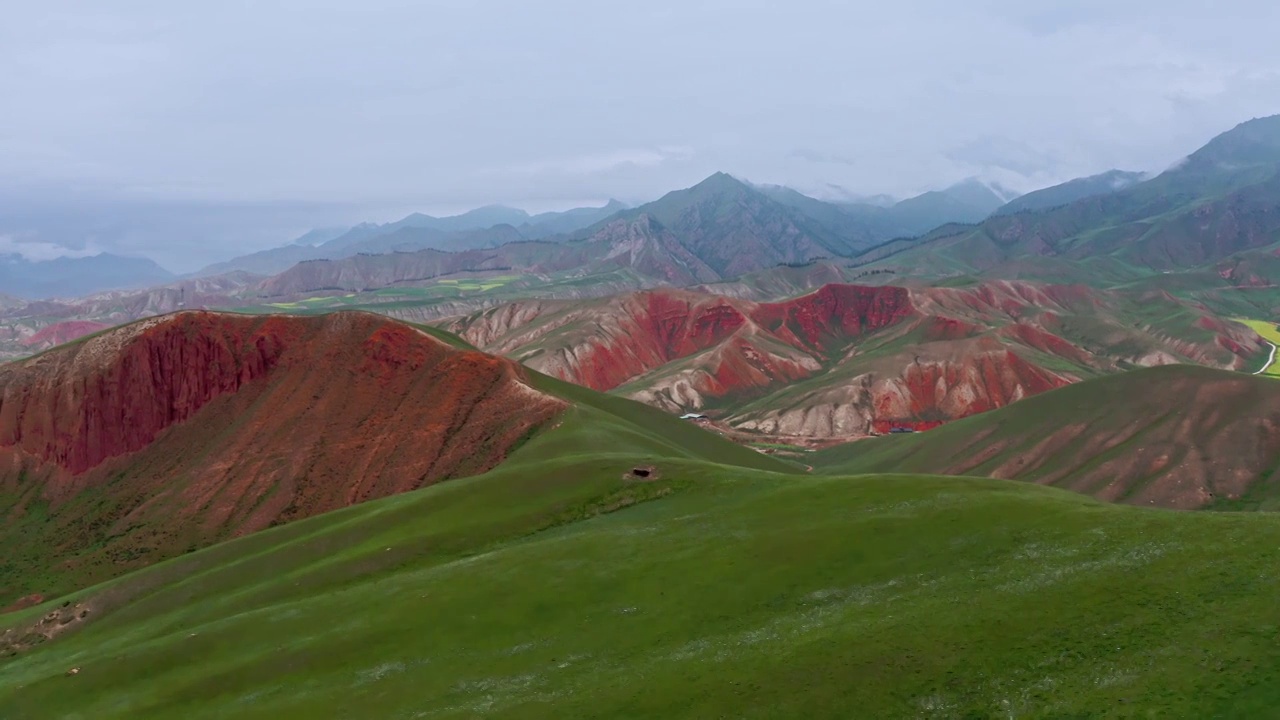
195	427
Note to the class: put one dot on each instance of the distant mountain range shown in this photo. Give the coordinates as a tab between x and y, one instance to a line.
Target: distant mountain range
1213	221
76	277
806	227
873	222
716	230
723	227
483	227
1071	191
1222	200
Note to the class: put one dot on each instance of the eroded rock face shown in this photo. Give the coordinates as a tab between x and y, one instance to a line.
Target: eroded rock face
835	313
113	394
195	427
603	345
923	396
848	359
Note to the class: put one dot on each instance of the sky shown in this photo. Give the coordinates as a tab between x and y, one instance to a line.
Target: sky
372	108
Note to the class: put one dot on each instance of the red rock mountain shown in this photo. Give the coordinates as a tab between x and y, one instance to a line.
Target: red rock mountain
179	431
847	360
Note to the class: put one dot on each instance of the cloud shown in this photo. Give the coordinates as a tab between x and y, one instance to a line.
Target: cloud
1120	183
985	152
817	156
594	163
431	104
38	251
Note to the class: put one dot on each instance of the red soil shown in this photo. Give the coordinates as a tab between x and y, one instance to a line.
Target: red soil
1045	341
929	393
882	426
64	332
721	350
200	426
735	346
23	603
945	328
1175	436
833	313
660	326
741	366
657	327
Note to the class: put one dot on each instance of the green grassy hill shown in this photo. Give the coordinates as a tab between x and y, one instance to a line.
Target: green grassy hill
723	584
1173	436
286	445
553	587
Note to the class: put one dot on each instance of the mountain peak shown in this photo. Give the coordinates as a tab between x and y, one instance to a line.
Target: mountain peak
720	182
1252	143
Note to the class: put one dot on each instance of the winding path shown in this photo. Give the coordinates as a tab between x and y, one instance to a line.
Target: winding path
1270	361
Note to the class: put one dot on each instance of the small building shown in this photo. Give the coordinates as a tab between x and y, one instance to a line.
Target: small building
693	416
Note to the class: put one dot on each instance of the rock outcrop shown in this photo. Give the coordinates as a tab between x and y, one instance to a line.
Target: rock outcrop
850	360
194	427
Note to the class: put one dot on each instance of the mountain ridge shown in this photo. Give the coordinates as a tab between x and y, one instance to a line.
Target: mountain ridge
181	430
488	225
1201	211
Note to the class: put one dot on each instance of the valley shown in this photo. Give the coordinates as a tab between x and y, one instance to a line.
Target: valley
1270	332
737	451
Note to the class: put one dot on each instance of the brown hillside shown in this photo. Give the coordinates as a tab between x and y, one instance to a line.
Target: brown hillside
183	430
1175	436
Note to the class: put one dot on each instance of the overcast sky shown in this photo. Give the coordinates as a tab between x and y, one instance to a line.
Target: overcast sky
443	105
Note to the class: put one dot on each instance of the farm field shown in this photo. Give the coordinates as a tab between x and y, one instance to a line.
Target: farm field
1270	332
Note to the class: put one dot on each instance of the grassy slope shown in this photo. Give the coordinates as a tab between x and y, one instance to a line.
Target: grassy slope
33	542
1193	416
452	295
602	425
552	587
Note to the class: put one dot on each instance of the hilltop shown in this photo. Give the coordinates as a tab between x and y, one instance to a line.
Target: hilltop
1175	436
172	433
